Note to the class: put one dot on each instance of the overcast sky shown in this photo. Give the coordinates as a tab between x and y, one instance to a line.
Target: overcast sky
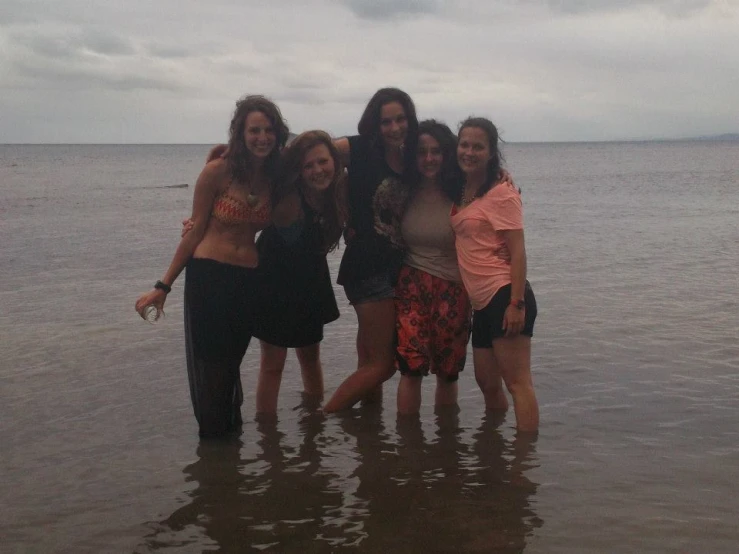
140	71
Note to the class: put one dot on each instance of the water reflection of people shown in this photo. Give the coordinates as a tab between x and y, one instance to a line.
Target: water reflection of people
498	490
249	497
438	493
422	487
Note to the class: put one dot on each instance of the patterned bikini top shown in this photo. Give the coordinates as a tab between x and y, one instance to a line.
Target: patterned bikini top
230	210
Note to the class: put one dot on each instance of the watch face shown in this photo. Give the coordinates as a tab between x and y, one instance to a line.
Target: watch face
520	304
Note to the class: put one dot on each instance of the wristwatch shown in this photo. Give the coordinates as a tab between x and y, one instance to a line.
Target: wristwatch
519	304
163	286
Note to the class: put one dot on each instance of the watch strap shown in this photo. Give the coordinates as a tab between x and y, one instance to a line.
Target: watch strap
518	304
163	286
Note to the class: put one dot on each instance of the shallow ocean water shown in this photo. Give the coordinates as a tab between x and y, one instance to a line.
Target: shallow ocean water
633	253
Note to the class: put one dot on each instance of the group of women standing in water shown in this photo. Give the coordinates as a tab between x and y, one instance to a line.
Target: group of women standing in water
434	235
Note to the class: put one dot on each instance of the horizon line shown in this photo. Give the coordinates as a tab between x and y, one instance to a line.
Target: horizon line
717	138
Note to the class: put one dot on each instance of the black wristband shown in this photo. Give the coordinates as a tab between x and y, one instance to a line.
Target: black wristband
163	286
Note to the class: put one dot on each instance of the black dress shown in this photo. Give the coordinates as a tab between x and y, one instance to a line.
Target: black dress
297	298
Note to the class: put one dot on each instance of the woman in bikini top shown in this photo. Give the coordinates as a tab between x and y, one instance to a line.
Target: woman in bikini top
231	204
228	209
231	201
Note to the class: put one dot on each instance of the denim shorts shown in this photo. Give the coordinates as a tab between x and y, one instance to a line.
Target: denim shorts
372	289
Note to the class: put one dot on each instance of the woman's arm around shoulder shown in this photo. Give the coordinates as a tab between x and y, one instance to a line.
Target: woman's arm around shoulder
219	151
342	145
288	211
287	217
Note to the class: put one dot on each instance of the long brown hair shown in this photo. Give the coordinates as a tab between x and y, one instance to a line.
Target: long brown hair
335	214
239	160
369	126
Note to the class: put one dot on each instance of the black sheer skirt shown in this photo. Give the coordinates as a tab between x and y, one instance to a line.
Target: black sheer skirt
220	303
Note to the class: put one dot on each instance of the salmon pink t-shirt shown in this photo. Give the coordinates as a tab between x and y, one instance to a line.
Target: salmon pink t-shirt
484	259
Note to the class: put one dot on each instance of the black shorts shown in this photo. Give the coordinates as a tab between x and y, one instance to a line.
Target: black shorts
487	324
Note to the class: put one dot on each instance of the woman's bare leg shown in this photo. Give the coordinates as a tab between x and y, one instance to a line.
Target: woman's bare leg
375	348
446	392
374	396
488	377
513	356
270	377
311	371
409	394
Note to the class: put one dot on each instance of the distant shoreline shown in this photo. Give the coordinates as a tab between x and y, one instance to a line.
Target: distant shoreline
726	137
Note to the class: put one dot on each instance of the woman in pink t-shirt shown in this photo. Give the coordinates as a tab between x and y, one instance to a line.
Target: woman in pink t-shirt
488	225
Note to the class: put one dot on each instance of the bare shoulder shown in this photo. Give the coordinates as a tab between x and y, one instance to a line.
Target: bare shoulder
287	211
214	174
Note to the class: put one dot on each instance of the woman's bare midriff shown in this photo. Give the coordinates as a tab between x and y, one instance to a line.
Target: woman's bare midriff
232	244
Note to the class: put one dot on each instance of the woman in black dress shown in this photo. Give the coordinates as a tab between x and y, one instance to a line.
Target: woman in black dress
295	291
308	219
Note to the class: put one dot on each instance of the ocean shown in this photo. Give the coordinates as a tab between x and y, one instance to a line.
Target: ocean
633	252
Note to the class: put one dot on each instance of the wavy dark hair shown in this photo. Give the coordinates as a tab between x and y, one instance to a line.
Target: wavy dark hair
335	216
495	164
369	126
240	162
451	176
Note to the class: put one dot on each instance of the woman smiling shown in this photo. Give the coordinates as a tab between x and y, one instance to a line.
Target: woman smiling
488	224
231	204
308	220
385	147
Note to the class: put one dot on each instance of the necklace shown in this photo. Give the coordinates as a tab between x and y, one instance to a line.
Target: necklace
252	199
467	200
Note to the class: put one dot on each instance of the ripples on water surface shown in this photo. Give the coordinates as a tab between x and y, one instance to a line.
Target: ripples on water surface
633	253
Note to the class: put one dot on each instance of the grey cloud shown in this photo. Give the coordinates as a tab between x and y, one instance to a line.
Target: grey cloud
379	10
106	43
169	51
325	96
542	69
73	43
165	47
669	7
70	77
78	60
55	47
238	66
